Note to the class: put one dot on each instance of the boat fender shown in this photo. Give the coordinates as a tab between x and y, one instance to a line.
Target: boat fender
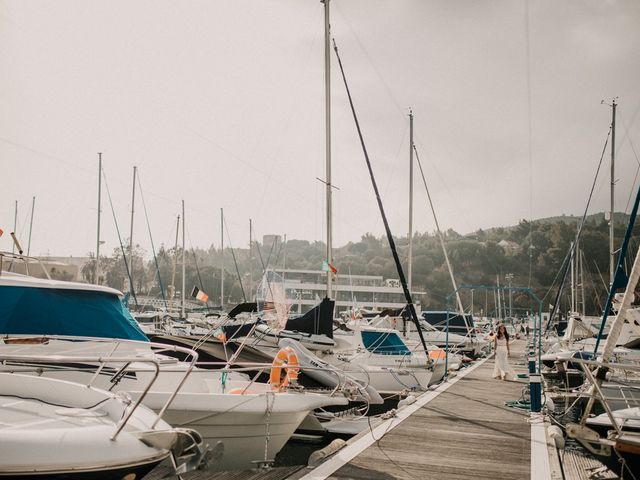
316	457
557	435
286	359
406	401
551	405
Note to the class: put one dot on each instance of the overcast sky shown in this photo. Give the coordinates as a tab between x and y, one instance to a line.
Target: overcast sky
220	103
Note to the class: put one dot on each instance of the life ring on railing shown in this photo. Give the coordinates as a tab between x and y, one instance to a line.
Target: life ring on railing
286	359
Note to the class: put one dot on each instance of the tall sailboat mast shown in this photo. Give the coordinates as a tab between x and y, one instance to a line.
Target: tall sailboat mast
97	270
184	261
33	206
327	120
612	252
15	226
172	289
133	200
573	280
250	261
583	311
410	236
222	258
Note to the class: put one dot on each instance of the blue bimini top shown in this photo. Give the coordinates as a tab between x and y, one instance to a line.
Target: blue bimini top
85	311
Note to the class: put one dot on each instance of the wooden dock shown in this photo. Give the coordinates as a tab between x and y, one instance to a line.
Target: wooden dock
464	432
460	430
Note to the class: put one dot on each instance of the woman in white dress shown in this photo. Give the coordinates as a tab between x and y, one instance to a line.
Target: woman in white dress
502	369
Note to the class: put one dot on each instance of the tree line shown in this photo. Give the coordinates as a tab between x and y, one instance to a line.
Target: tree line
532	253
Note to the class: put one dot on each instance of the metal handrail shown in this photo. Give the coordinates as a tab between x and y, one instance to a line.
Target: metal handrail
595	363
111	359
25	259
48	359
237	366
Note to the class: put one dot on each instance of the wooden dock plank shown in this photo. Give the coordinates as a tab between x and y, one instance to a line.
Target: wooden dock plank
277	473
465	432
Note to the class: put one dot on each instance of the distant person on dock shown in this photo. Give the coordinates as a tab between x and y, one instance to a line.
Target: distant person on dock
502	369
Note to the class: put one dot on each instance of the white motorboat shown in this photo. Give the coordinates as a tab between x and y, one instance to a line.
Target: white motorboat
375	357
379	357
236	426
56	429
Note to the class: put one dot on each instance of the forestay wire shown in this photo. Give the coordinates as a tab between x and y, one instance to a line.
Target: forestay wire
115	221
153	248
556	303
392	243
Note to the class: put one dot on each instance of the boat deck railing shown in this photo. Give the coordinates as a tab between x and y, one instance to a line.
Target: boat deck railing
23	258
32	359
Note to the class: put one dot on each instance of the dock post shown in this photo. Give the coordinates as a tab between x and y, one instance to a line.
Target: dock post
535	392
532	363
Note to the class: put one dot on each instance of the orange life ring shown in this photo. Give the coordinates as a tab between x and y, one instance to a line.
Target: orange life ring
285	359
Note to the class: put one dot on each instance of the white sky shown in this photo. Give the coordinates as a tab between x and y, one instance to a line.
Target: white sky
220	103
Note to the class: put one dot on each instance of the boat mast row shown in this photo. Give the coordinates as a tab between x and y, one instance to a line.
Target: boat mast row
612	252
410	236
133	201
97	269
327	119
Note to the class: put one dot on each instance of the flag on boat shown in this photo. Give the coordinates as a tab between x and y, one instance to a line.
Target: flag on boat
327	267
220	335
199	295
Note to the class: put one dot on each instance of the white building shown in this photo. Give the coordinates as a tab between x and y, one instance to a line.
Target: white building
307	287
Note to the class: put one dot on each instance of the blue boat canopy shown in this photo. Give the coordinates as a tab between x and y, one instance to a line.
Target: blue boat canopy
384	343
63	311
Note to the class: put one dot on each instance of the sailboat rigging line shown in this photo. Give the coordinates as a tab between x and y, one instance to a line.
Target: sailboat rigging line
441	238
275	262
273	244
633	148
556	303
553	282
260	256
591	284
153	248
392	243
195	260
235	263
115	220
619	279
264	268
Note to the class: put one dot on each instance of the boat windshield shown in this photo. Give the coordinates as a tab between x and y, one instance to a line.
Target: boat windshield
384	343
52	311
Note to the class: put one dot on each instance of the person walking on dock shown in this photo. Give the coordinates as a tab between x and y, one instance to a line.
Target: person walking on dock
502	369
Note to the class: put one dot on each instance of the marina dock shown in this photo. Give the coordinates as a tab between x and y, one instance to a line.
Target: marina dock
462	429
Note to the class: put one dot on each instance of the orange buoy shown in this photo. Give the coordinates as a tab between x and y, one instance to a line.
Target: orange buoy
437	354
